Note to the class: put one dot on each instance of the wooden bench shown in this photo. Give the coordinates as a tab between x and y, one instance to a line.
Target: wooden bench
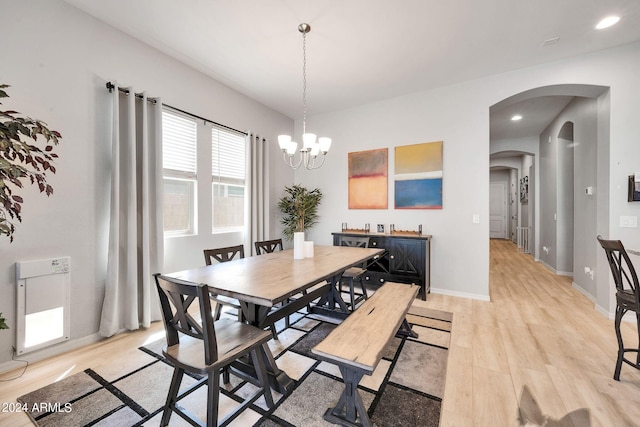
357	344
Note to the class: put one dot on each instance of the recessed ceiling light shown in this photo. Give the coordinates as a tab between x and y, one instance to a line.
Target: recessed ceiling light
607	22
516	118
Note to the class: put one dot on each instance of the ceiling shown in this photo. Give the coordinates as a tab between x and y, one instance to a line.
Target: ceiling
362	51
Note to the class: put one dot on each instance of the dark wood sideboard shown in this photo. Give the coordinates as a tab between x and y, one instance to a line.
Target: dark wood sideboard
406	260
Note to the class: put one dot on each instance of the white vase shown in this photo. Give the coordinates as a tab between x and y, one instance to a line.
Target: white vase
308	249
298	245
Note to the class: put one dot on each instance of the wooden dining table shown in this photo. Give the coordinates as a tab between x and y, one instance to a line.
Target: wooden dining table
263	282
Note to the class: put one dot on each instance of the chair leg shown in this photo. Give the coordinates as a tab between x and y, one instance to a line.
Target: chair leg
364	289
213	385
351	294
217	311
638	330
618	319
274	333
287	320
304	292
172	396
226	378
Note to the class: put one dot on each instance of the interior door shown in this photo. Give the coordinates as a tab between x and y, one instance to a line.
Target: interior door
498	210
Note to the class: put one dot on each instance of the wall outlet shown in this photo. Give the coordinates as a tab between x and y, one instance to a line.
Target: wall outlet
588	271
476	219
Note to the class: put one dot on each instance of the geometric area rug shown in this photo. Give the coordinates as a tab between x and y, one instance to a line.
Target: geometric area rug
406	389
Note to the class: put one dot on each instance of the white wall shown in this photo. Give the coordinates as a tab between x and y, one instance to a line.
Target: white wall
57	60
459	115
583	113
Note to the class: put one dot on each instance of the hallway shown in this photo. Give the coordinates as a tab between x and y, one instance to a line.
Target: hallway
536	331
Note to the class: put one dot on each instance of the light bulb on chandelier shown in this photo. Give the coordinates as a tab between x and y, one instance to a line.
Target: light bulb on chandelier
311	148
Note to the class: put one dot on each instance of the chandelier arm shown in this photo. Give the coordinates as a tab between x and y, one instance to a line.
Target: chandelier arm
312	163
288	160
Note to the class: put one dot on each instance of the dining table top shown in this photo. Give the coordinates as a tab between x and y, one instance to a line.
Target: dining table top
273	277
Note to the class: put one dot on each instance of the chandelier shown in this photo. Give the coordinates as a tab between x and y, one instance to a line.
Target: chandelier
310	147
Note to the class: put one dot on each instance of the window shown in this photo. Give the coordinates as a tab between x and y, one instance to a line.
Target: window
179	142
228	179
192	184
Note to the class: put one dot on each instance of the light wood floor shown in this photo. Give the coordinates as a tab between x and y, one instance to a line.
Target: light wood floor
537	330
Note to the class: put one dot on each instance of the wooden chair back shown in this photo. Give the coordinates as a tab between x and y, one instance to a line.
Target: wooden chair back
176	297
268	246
354	241
624	274
223	254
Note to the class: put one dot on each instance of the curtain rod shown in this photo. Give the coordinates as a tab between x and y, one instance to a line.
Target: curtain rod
111	86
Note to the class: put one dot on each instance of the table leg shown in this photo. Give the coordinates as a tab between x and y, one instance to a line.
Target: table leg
327	304
405	330
350	406
278	379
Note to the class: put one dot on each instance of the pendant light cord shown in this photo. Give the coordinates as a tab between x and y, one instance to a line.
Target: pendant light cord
304	82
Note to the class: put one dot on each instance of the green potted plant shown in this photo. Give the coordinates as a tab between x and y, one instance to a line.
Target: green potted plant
21	159
299	207
3	324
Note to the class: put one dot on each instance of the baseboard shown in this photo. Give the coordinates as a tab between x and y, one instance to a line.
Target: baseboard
556	272
606	313
590	297
629	317
45	353
553	270
460	294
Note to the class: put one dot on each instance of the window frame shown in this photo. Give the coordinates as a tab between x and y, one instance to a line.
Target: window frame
190	176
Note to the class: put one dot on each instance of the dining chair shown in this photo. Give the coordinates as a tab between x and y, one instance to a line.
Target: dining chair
354	273
268	246
627	297
225	254
198	345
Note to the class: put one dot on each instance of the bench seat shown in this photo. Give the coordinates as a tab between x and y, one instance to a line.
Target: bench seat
356	346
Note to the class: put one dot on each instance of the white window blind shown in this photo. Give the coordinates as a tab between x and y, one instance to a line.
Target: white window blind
179	146
228	177
227	156
179	141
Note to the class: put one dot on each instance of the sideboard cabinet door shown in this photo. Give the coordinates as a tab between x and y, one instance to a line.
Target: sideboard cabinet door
407	259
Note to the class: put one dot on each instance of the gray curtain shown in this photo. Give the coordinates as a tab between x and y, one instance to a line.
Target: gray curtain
135	232
257	213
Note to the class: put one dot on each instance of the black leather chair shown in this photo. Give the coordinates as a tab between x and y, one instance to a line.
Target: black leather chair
354	274
627	297
197	345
